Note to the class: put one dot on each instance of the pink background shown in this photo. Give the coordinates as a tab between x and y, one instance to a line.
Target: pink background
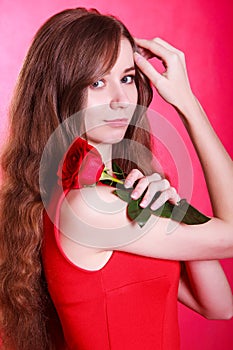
203	30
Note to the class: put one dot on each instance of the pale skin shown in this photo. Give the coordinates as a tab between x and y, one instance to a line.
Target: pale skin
203	287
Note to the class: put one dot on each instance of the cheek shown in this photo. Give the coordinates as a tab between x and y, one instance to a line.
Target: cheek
90	119
134	95
95	98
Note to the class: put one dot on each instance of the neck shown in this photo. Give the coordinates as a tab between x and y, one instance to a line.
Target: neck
105	151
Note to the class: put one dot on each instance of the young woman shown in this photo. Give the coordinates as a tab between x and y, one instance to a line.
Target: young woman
111	296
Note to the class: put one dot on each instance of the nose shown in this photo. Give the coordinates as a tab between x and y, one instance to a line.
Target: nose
119	98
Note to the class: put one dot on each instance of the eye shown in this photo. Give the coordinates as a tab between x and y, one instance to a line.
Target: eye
98	84
128	79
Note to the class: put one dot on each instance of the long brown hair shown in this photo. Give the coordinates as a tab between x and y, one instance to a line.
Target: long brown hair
69	52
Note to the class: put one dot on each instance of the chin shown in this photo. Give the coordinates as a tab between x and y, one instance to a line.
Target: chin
114	137
111	136
113	141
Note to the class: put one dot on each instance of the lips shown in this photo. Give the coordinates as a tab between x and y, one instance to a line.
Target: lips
117	123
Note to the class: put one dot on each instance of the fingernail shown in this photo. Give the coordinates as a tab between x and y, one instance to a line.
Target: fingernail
143	204
155	206
134	195
127	184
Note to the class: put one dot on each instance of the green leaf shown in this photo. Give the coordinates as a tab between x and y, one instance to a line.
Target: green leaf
138	214
182	212
165	211
188	214
123	194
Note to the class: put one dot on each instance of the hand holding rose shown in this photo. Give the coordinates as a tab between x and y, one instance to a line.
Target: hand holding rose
82	166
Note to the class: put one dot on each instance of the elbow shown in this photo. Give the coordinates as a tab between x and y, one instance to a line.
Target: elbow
223	312
221	315
225	316
228	316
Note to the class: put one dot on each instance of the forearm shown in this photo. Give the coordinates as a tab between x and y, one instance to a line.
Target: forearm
216	163
205	289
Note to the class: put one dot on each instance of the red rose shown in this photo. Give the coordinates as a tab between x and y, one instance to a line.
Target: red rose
82	165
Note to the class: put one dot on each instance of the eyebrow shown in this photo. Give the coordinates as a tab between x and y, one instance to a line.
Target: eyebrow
129	69
125	71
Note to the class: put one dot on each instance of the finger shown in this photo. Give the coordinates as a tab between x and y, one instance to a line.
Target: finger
157	49
169	194
153	189
144	52
174	197
170	48
147	68
133	176
154	177
136	174
167	45
145	182
140	188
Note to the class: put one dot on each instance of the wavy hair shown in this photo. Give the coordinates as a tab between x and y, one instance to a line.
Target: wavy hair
69	52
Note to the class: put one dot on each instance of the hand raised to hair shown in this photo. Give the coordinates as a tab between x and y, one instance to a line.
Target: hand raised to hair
152	184
173	84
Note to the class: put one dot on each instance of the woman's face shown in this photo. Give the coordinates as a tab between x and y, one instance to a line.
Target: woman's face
112	99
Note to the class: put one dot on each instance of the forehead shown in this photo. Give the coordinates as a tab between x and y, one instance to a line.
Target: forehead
125	57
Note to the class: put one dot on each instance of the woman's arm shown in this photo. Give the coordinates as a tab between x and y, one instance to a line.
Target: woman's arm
102	217
204	288
203	285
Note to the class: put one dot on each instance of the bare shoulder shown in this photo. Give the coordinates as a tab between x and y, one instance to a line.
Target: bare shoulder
96	206
90	207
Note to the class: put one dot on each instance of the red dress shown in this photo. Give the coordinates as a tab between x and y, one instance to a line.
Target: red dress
129	304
